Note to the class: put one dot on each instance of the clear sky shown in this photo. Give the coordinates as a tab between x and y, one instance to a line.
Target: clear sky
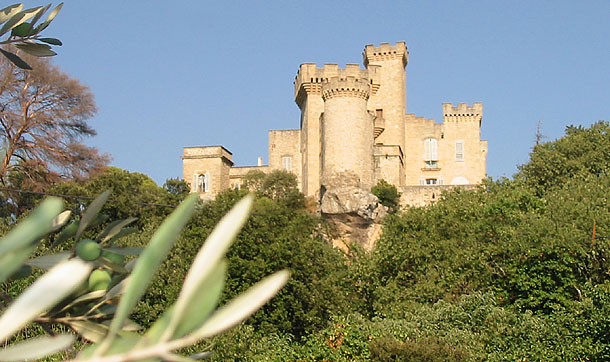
170	74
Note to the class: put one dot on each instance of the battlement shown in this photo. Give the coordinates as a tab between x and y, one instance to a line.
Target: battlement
412	118
385	51
346	87
462	112
310	77
200	152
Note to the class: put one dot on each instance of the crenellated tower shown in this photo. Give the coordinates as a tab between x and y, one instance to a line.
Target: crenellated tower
390	104
346	118
308	96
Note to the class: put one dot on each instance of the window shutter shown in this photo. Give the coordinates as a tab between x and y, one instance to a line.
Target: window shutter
427	149
459	150
194	184
433	149
422	181
207	182
287	163
441	181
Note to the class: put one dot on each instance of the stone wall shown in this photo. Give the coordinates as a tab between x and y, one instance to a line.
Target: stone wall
418	196
286	143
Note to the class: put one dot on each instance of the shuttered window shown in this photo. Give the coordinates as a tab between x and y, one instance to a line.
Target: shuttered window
430	149
287	163
459	150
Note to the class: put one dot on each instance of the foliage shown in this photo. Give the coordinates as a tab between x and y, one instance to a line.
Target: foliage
25	34
278	185
582	151
274	238
42	123
57	298
133	195
387	194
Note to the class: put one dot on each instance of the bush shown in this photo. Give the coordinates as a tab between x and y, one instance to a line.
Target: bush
387	194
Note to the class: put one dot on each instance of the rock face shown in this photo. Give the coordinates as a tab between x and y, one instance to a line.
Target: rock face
343	194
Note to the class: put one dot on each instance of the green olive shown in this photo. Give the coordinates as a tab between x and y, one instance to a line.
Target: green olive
99	280
88	250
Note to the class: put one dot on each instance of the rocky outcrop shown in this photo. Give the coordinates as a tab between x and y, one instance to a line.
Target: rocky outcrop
343	194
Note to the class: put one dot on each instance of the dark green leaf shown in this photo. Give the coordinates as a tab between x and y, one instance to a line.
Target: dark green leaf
22	30
51	41
16	60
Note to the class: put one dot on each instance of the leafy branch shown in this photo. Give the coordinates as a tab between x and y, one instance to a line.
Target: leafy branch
25	34
55	297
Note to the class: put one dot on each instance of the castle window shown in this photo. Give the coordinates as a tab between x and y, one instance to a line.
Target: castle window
286	163
430	153
201	182
459	150
431	164
379	113
431	181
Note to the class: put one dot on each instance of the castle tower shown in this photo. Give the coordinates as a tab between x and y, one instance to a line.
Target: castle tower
389	102
463	124
308	96
347	130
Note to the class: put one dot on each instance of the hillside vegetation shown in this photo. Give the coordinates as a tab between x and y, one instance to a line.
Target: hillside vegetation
511	271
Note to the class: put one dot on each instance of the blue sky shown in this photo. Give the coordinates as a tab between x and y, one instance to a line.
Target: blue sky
170	74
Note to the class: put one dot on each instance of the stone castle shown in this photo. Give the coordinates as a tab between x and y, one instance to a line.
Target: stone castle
354	131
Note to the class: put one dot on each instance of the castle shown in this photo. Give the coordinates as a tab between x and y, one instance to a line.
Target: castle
354	122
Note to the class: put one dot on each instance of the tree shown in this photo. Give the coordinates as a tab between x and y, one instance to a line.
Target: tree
583	151
278	185
43	114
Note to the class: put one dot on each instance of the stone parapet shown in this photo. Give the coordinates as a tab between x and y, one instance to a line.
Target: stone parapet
385	51
310	77
346	87
463	112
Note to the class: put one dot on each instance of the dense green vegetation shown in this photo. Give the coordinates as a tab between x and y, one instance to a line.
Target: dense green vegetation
507	272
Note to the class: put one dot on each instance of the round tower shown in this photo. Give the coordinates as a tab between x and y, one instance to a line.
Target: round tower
347	130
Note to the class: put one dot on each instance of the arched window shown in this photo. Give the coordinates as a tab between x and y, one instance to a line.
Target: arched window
201	182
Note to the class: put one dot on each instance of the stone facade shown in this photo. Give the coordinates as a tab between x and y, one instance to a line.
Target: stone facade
354	121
